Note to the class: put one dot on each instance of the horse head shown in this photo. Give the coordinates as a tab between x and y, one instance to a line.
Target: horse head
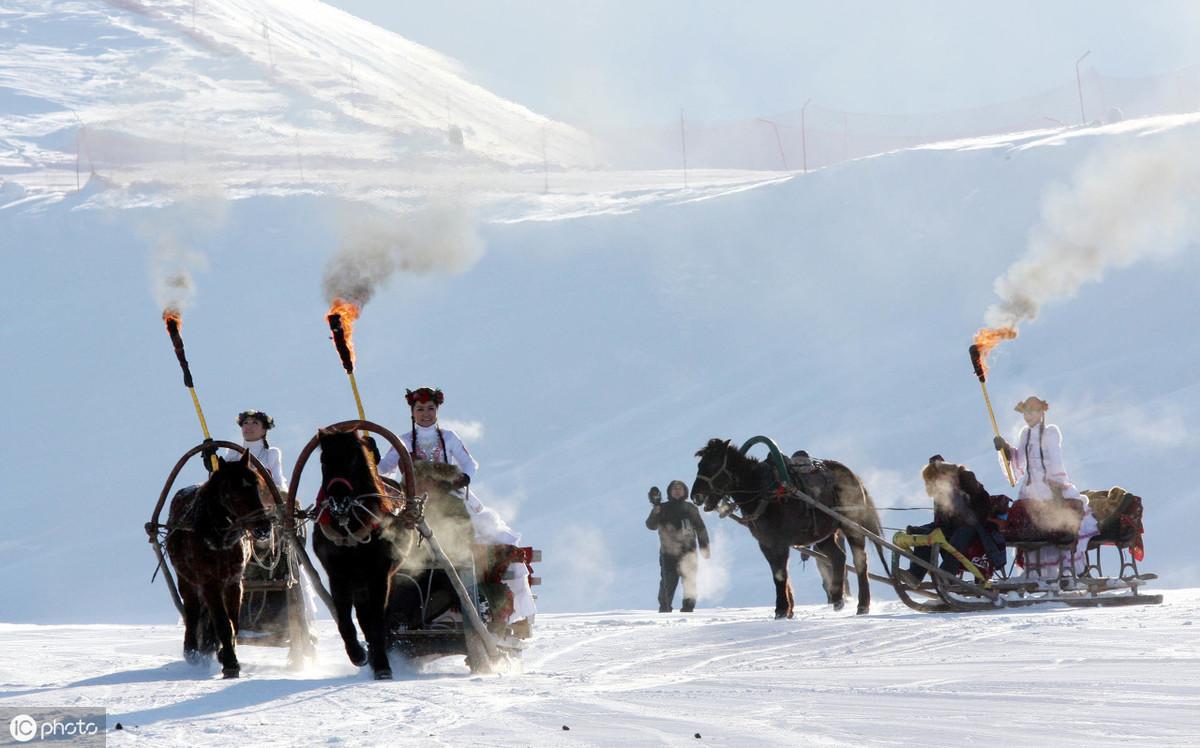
352	494
714	478
237	490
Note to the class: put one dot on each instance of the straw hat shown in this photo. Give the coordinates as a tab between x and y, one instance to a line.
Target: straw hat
1033	402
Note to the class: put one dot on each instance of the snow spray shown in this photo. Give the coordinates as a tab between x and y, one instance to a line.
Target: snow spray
174	321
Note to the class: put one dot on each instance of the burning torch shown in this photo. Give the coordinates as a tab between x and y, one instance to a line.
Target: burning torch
173	320
985	341
341	323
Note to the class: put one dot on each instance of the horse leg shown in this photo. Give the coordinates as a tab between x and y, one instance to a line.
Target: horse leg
858	546
832	548
233	605
343	601
370	617
193	617
214	598
777	559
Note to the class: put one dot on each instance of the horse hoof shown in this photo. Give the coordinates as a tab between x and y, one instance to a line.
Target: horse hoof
231	672
779	616
383	675
862	610
839	605
193	657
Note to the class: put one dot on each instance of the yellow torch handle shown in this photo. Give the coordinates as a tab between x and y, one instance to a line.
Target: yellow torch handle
362	416
203	424
1008	472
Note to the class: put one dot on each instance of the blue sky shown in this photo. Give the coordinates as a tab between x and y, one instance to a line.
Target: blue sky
628	61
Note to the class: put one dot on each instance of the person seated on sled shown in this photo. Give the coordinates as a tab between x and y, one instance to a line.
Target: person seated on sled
1037	463
963	509
680	529
255	424
429	441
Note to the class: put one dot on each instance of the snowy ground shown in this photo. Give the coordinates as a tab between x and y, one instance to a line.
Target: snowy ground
732	676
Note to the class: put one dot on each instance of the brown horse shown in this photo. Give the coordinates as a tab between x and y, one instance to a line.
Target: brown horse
208	542
726	476
364	534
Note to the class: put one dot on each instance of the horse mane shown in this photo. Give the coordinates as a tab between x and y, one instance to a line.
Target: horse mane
205	508
736	457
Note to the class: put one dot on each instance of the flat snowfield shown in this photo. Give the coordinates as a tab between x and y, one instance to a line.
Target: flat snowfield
1058	676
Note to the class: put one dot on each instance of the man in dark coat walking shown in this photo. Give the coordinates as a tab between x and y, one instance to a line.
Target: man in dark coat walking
680	529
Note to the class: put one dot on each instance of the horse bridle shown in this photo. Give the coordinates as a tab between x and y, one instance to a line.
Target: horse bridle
727	495
232	532
709	480
342	508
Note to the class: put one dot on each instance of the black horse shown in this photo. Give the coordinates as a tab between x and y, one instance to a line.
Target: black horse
208	542
365	532
780	523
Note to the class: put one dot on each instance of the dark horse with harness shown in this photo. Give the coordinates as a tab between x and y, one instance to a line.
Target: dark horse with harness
364	533
765	494
208	541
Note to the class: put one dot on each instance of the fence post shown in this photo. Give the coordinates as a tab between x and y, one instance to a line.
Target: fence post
1079	85
683	140
804	133
778	140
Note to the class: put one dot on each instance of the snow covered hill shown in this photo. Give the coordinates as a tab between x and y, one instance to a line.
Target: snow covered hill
718	677
155	101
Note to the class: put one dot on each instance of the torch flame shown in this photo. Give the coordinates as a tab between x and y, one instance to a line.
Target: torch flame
345	313
988	338
170	314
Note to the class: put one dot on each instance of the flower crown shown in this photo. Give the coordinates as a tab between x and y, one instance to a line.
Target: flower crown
424	395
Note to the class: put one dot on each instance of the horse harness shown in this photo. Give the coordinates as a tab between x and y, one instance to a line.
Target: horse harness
808	476
339	510
227	537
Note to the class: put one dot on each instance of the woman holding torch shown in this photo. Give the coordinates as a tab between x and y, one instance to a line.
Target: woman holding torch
1037	463
429	441
254	425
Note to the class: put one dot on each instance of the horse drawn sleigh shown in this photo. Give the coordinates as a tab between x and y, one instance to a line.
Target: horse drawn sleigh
817	506
416	580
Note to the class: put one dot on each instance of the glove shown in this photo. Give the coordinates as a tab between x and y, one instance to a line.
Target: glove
1000	444
655	495
207	455
461	481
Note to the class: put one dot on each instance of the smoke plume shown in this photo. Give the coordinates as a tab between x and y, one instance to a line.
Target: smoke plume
172	233
376	245
1124	206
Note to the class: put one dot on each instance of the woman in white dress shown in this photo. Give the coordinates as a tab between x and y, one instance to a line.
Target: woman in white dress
1037	463
429	441
255	424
